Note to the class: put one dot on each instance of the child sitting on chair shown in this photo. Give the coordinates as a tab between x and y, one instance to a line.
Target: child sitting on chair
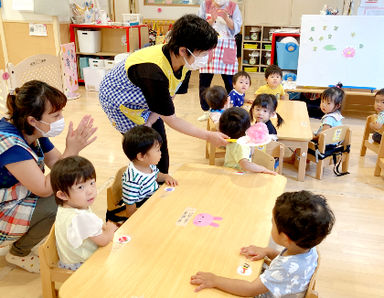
234	122
379	107
141	144
218	100
241	82
79	232
331	100
300	221
273	76
262	109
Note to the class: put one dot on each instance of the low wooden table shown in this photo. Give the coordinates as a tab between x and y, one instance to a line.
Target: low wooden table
167	248
296	131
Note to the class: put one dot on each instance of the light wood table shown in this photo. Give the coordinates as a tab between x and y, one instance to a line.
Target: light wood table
161	256
296	131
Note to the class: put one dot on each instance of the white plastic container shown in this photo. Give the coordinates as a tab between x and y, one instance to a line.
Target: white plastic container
109	64
89	41
132	19
93	77
96	63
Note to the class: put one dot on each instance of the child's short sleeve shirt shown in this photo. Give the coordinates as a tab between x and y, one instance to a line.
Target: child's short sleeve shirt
265	89
236	99
289	275
380	118
234	153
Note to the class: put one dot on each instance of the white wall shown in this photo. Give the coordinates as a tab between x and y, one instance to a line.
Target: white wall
167	12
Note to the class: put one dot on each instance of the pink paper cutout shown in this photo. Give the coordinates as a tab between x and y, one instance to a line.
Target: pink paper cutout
206	219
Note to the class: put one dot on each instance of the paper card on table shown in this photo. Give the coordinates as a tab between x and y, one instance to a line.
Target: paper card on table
186	216
244	268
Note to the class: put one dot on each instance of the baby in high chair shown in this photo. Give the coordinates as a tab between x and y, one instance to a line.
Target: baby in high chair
79	232
234	122
263	109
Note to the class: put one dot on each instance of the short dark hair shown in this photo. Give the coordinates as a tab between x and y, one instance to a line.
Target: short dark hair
334	94
304	217
266	101
216	97
68	171
239	75
234	122
380	92
273	69
140	139
192	32
30	100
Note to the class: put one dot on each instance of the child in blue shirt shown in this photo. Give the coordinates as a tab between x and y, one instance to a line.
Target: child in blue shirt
300	221
379	107
331	100
241	82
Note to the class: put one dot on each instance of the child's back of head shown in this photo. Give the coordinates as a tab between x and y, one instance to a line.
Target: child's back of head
266	101
234	122
140	139
216	97
304	217
68	171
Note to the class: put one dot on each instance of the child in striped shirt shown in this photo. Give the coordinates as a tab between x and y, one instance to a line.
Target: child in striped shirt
141	144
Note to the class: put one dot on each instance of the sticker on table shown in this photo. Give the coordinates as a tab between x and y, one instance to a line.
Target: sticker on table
169	189
124	239
120	240
186	216
239	173
206	219
244	269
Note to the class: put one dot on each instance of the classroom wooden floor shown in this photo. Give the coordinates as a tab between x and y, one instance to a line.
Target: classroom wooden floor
352	259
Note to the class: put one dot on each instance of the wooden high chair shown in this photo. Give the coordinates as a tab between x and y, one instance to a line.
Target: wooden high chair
311	293
211	151
115	209
319	152
49	270
375	147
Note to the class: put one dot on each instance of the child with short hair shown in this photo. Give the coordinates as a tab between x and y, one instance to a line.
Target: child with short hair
234	122
379	107
331	100
273	76
78	231
141	144
300	221
217	99
241	82
262	109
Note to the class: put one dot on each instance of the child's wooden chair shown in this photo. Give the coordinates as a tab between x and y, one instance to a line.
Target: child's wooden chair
378	148
324	150
311	293
211	151
49	271
263	159
276	150
115	208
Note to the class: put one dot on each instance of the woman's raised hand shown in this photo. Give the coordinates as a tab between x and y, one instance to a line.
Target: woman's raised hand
81	137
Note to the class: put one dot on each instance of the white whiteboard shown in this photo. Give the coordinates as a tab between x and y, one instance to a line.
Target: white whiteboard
346	49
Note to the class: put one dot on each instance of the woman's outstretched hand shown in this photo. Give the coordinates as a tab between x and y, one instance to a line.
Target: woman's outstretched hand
81	137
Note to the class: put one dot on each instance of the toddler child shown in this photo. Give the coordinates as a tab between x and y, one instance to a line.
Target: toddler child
300	221
330	105
141	144
379	107
217	99
79	232
262	109
241	82
234	122
273	76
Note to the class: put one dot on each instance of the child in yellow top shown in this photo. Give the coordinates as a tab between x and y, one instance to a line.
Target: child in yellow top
273	76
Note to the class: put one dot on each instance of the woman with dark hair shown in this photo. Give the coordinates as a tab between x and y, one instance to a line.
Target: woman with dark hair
140	90
27	205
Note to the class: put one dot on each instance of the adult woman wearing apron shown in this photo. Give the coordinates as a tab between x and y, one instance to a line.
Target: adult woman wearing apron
225	17
140	90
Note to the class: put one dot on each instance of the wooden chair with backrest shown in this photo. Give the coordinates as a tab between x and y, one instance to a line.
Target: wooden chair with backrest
211	151
311	292
378	148
115	209
319	153
263	159
276	150
49	270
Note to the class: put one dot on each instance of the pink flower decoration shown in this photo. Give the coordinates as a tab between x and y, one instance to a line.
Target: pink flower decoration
5	76
159	10
258	133
349	52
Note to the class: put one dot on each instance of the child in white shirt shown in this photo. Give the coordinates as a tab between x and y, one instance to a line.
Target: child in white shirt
379	107
218	100
79	232
301	220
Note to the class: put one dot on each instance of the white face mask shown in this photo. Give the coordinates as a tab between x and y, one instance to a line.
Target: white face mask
221	2
198	63
55	128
